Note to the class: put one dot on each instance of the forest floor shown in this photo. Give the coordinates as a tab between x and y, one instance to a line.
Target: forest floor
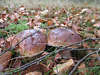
85	57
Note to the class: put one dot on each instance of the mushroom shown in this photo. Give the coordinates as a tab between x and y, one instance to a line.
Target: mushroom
63	37
32	45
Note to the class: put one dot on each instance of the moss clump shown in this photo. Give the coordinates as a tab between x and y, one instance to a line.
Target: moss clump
15	28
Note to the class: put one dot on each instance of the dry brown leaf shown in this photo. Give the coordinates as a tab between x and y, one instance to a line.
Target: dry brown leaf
93	55
50	22
61	68
42	20
9	40
91	63
36	67
34	73
98	33
1	42
97	24
82	68
85	45
3	25
0	50
75	28
90	35
4	60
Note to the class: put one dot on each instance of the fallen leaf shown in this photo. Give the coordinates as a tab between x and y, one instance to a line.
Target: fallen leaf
44	12
2	42
61	68
34	73
82	69
36	67
3	25
97	24
50	22
75	28
4	60
98	33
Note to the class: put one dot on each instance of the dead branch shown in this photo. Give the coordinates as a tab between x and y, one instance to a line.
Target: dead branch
80	61
83	41
56	51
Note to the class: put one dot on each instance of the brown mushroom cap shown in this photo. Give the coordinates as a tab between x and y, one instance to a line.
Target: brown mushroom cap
62	37
31	46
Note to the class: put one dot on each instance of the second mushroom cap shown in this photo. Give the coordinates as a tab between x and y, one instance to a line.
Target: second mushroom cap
62	37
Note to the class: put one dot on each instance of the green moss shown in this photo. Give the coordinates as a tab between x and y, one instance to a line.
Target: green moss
2	34
43	25
15	28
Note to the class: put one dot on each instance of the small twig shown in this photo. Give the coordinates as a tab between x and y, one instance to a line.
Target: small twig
80	49
83	41
66	47
26	65
80	61
43	57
